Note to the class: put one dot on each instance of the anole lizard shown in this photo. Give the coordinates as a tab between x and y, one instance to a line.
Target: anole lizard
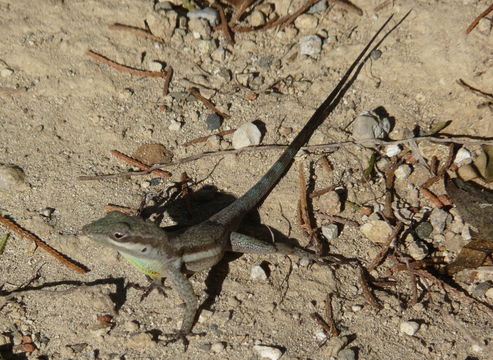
163	254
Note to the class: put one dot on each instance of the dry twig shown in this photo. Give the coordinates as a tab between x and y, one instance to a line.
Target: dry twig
330	316
478	19
59	256
140	165
204	138
135	30
224	23
196	93
365	286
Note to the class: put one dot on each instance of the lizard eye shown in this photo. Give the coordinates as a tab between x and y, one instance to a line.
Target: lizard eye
144	250
118	235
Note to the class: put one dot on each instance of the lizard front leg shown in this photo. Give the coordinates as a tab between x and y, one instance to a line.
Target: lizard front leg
185	291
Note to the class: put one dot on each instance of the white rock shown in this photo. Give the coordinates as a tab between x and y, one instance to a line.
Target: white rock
439	219
246	135
6	72
346	354
310	45
200	28
155	66
207	13
409	327
403	171
320	335
466	233
356	308
258	273
256	18
368	126
489	293
218	347
306	21
330	231
416	248
131	326
12	178
174	125
463	157
376	231
268	352
393	150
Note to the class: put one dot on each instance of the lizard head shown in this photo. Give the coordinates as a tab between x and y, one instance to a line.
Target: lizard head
129	235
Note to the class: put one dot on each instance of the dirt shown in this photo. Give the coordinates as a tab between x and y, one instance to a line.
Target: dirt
76	110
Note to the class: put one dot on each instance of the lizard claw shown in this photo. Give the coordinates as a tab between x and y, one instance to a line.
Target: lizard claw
172	338
154	284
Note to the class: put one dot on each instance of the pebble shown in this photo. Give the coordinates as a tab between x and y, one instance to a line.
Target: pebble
369	126
330	231
409	327
200	28
258	273
162	25
246	135
140	341
439	219
268	352
175	125
257	18
489	293
6	72
47	212
163	6
151	154
335	344
467	172
403	171
356	308
466	233
306	22
131	326
346	354
207	13
484	26
156	66
310	45
320	335
376	231
463	157
392	150
375	54
330	203
416	248
12	178
218	347
424	230
213	121
205	315
318	7
4	340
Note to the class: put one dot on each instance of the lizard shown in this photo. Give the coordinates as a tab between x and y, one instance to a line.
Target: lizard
158	253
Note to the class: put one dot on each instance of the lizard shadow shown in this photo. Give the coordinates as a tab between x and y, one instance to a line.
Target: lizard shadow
200	206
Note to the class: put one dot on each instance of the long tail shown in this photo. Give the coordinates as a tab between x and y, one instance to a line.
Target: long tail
253	196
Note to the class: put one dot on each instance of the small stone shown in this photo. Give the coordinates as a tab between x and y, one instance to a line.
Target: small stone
285	131
47	212
310	45
218	347
424	230
200	28
392	150
268	352
330	203
409	327
162	25
140	341
306	22
346	354
257	18
131	326
305	261
467	172
213	121
214	142
439	219
266	61
484	26
151	154
163	6
175	125
205	315
463	157
246	135
258	273
207	13
320	6
320	335
375	54
356	308
335	344
368	126
376	231
482	288
416	248
12	178
403	171
466	233
6	72
330	231
4	340
156	66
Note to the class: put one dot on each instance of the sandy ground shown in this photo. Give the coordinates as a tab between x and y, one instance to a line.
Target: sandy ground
76	110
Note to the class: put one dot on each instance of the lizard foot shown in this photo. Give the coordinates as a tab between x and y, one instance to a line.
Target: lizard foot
172	338
154	284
